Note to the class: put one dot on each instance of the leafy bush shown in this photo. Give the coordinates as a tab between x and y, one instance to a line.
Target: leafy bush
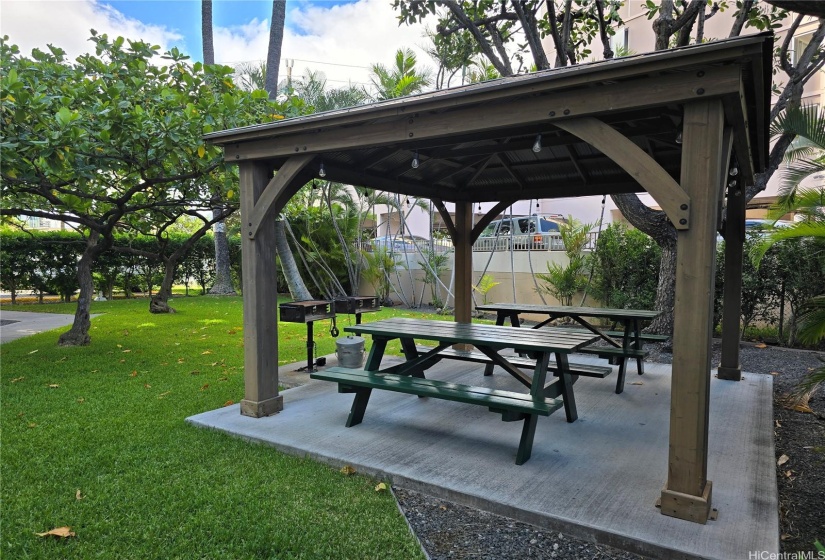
625	268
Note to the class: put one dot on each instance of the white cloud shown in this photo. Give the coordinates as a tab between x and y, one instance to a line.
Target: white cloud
339	40
30	24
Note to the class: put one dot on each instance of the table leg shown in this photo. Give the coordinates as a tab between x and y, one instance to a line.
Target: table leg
410	352
500	317
528	432
359	406
566	380
376	353
637	344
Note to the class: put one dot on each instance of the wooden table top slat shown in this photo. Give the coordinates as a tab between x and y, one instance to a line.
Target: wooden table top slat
472	333
581	311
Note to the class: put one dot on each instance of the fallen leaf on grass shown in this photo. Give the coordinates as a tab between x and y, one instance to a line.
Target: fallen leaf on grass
54	386
180	360
78	495
60	532
32	425
760	345
16	379
126	351
134	373
205	387
81	400
224	378
205	352
347	470
782	460
162	395
147	386
229	403
33	351
63	359
195	372
122	361
381	487
120	346
636	383
231	332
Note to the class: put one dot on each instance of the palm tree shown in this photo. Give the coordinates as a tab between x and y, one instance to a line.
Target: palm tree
312	88
400	80
222	284
805	158
276	39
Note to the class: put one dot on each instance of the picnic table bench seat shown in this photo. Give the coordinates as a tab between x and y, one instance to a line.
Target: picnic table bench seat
512	406
585	370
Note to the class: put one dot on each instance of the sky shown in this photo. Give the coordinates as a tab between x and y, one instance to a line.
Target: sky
340	38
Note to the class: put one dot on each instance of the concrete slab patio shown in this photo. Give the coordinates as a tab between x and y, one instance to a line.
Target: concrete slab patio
597	478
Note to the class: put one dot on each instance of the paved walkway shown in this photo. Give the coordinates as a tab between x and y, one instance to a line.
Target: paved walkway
597	478
17	324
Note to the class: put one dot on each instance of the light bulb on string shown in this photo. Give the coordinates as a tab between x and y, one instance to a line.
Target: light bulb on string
415	162
537	144
734	171
322	172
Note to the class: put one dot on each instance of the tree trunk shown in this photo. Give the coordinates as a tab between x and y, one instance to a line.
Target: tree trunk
159	303
656	225
206	31
78	335
222	286
276	38
297	288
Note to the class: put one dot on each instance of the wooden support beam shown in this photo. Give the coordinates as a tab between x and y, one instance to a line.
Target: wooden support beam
277	192
379	181
463	266
448	220
512	172
734	234
550	108
488	218
673	200
687	493
575	161
260	300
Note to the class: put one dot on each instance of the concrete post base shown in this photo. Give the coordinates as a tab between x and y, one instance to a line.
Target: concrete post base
730	373
259	409
687	506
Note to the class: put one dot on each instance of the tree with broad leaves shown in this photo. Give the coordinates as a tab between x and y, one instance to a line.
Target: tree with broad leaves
111	137
573	24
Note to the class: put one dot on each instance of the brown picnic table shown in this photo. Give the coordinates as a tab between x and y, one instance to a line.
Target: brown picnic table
624	344
544	397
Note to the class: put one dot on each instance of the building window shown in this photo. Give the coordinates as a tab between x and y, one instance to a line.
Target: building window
798	46
619	42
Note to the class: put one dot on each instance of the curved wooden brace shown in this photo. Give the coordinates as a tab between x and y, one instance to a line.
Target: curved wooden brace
268	202
656	181
488	218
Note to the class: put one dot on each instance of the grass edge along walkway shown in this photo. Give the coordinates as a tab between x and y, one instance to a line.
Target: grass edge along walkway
94	438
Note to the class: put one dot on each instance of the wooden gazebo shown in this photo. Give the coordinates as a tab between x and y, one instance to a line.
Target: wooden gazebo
671	123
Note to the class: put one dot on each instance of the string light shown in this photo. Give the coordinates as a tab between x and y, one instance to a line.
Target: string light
734	171
322	172
537	144
679	137
415	162
479	207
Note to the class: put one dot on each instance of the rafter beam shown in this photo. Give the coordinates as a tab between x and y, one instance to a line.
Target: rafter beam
575	161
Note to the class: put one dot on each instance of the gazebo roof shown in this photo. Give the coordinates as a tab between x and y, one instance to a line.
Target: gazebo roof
474	142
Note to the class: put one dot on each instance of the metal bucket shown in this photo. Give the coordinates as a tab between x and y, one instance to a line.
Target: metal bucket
350	351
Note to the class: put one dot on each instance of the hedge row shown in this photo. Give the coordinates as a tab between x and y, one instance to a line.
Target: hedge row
45	262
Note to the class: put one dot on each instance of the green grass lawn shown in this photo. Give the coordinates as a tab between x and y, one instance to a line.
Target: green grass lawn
94	438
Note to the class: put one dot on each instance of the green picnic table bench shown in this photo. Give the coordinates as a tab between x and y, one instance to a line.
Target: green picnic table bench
544	396
630	345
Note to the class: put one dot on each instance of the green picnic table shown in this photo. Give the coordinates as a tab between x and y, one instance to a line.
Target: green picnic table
631	338
544	396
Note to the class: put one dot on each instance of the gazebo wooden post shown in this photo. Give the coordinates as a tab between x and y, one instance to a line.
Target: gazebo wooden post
463	262
730	367
687	493
260	299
